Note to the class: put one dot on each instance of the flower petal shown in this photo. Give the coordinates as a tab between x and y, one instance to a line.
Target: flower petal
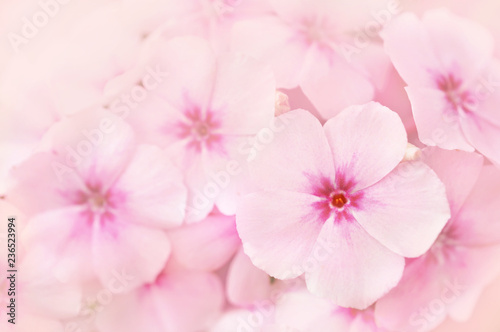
457	170
337	88
483	135
246	284
135	250
278	230
406	210
354	269
297	156
243	95
207	245
439	127
367	142
153	191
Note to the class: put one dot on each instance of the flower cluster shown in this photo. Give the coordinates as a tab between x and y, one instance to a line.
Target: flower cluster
249	165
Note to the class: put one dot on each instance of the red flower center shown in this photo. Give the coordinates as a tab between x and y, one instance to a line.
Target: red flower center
339	200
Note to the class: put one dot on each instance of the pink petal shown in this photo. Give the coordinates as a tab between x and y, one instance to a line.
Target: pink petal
84	142
436	128
407	307
202	189
246	284
366	135
207	245
272	41
137	251
406	210
457	170
339	87
442	41
477	223
188	65
297	156
486	95
302	311
150	118
458	42
153	189
404	38
240	79
483	135
354	270
25	194
278	230
69	252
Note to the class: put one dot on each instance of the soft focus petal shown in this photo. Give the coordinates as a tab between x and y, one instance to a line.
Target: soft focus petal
436	128
153	189
207	245
246	284
457	170
140	252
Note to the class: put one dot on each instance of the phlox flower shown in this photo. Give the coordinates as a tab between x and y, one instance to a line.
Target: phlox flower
205	109
97	202
336	203
302	41
453	80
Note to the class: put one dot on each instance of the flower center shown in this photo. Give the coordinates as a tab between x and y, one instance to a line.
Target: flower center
338	200
97	202
456	95
201	130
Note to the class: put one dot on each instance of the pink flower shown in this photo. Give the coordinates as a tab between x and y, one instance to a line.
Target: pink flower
449	278
336	203
452	80
301	42
205	108
97	202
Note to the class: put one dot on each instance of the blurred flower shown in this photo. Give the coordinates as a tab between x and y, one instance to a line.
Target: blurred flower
105	200
452	80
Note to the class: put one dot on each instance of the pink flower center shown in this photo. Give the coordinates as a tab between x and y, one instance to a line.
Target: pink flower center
317	30
200	129
95	199
456	96
97	202
338	200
